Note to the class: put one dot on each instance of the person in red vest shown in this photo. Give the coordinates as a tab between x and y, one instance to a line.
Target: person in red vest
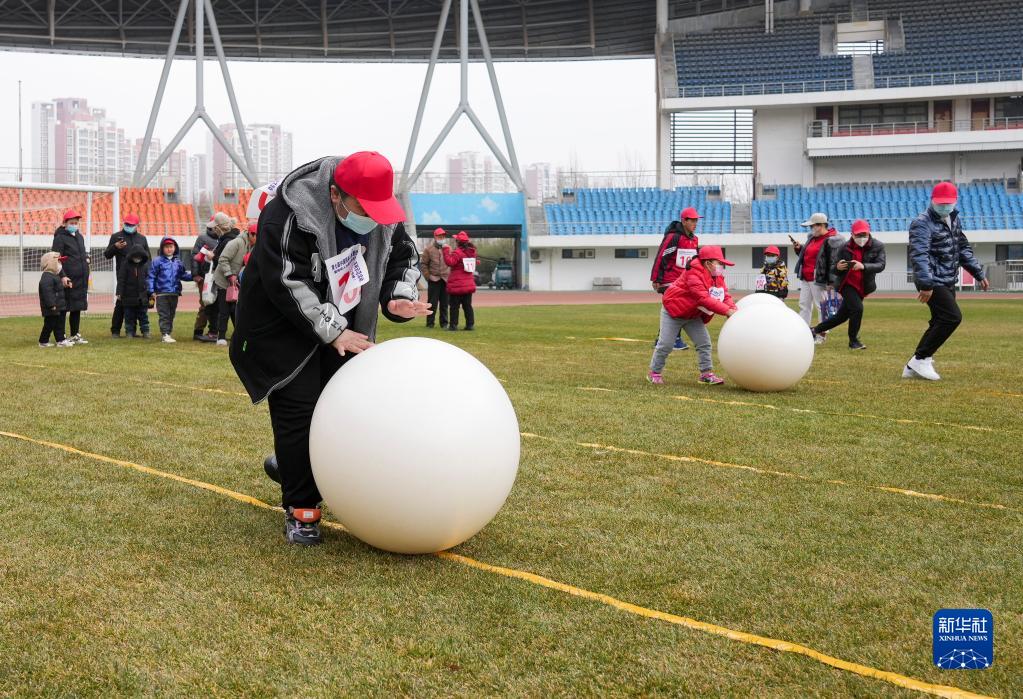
461	283
856	265
816	257
678	246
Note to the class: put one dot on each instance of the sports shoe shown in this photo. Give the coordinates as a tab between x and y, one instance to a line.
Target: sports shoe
271	468
116	336
452	327
680	344
302	526
44	345
711	378
168	338
146	336
66	343
818	338
857	345
222	343
78	340
924	368
908	373
655	378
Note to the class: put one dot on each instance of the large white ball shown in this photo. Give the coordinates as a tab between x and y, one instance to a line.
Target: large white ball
414	445
765	347
759	300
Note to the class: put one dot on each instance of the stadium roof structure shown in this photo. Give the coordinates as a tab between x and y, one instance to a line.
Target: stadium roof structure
334	30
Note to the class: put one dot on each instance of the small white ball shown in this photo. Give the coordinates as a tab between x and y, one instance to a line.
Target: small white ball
410	476
765	347
759	299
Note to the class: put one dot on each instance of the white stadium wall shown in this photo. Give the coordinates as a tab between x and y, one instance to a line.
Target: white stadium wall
780	145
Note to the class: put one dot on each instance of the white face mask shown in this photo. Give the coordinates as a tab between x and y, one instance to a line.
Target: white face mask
861	240
60	268
357	223
770	259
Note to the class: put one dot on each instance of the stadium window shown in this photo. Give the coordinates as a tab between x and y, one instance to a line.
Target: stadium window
758	256
578	253
714	141
1009	107
894	113
1012	251
631	253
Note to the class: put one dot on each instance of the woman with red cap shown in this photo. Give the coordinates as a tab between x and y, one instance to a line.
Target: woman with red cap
678	246
689	304
461	280
120	245
937	249
774	276
856	265
69	243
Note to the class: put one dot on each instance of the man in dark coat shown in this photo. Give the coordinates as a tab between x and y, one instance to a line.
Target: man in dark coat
206	316
69	243
121	243
297	321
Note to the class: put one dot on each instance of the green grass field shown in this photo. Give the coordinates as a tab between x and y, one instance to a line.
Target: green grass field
116	581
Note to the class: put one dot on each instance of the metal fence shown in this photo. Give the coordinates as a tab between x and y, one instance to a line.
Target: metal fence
823	129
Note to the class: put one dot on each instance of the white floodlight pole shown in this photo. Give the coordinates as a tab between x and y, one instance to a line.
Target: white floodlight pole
219	47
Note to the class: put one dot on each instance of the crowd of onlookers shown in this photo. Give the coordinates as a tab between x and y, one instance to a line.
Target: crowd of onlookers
215	265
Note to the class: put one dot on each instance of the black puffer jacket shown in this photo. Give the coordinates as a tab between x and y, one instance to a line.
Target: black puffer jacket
873	262
132	279
75	258
51	295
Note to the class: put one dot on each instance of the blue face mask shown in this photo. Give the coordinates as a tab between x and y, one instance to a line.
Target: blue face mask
358	224
943	210
130	229
770	259
71	228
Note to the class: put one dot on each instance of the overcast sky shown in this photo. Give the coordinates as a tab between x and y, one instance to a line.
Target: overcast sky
600	112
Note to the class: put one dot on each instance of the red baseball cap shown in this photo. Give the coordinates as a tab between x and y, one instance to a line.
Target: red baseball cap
369	177
131	220
689	212
252	228
439	232
70	214
772	250
860	226
462	237
944	193
713	252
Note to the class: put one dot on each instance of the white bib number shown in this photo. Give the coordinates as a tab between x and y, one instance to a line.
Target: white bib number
761	282
469	264
683	255
347	273
717	293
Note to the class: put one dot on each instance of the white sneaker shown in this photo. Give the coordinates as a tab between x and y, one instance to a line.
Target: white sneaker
66	343
168	338
44	345
924	368
222	343
78	340
908	373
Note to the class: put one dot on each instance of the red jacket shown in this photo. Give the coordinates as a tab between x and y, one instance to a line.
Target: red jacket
460	281
690	296
665	269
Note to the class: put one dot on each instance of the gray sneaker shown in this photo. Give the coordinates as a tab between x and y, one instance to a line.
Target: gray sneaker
302	526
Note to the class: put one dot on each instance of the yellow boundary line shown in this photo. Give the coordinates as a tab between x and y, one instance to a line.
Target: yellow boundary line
772	472
686	622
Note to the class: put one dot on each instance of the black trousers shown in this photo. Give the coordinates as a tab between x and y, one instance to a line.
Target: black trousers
136	315
463	301
76	320
291	412
437	296
205	317
945	318
117	319
851	310
54	325
225	311
166	307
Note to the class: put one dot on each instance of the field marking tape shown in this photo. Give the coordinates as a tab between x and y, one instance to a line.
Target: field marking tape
772	472
686	622
146	382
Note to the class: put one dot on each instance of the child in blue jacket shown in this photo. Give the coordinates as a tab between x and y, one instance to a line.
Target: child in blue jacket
165	277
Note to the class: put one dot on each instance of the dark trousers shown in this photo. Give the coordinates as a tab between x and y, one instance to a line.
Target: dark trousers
166	307
225	311
463	301
945	318
851	310
205	317
437	295
136	315
54	325
117	319
76	320
291	412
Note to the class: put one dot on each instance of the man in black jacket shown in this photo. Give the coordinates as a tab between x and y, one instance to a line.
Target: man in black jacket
297	324
121	243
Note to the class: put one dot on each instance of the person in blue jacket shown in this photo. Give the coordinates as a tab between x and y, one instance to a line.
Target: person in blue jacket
165	277
937	248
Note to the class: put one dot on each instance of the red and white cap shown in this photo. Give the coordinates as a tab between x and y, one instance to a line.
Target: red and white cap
772	250
860	226
369	177
439	232
944	193
131	219
462	237
688	212
70	214
713	252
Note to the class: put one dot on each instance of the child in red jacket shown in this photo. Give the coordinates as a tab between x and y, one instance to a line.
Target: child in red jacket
689	304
